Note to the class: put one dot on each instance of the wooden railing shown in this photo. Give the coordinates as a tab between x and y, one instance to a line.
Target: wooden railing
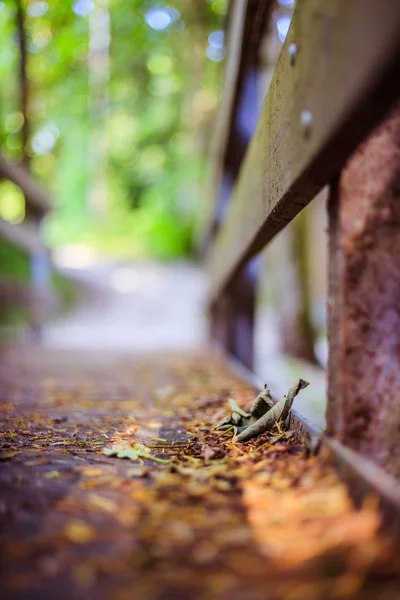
26	235
330	118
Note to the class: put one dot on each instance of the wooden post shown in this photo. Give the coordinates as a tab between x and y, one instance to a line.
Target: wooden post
294	310
364	299
233	315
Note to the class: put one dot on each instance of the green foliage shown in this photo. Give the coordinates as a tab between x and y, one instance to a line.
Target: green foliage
129	123
14	262
12	202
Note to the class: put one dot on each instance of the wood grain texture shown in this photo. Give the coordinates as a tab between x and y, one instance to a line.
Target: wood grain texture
233	317
247	22
346	74
36	198
224	114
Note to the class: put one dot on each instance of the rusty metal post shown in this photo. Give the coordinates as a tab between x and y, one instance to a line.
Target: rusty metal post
364	299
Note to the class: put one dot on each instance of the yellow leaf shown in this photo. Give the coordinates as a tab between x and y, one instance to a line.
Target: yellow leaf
92	472
52	474
102	503
79	532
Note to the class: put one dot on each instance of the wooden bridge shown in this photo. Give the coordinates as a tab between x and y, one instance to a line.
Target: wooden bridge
295	513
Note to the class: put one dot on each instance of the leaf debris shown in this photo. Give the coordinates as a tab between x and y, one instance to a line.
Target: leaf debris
264	414
221	519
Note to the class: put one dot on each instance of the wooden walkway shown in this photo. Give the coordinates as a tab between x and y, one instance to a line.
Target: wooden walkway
189	514
219	520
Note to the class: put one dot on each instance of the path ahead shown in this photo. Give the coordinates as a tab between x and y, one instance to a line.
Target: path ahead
217	521
150	307
137	307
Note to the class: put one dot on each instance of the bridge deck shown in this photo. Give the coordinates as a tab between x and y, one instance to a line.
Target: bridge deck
219	520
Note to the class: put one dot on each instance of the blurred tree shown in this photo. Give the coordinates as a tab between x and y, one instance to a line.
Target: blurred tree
120	97
23	79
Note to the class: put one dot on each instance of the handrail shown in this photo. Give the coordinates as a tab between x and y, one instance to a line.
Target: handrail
247	20
234	45
22	236
331	116
35	197
331	86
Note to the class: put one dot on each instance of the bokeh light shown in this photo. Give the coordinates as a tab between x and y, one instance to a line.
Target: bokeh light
44	141
159	64
282	27
13	122
82	8
37	9
161	17
287	3
12	203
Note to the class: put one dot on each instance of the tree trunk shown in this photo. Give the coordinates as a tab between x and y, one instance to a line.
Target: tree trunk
23	81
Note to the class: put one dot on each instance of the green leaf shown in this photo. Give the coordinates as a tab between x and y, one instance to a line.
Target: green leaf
128	452
132	452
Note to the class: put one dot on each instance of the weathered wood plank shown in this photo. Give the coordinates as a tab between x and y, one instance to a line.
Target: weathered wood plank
337	75
36	198
224	114
233	317
247	22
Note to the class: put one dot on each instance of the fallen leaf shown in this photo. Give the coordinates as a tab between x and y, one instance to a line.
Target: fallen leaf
103	503
279	411
79	532
212	453
92	472
52	474
7	455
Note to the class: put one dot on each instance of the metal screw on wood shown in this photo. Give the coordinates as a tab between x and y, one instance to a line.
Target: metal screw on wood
292	53
306	122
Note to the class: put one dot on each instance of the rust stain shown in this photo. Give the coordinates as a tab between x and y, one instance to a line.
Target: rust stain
369	291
